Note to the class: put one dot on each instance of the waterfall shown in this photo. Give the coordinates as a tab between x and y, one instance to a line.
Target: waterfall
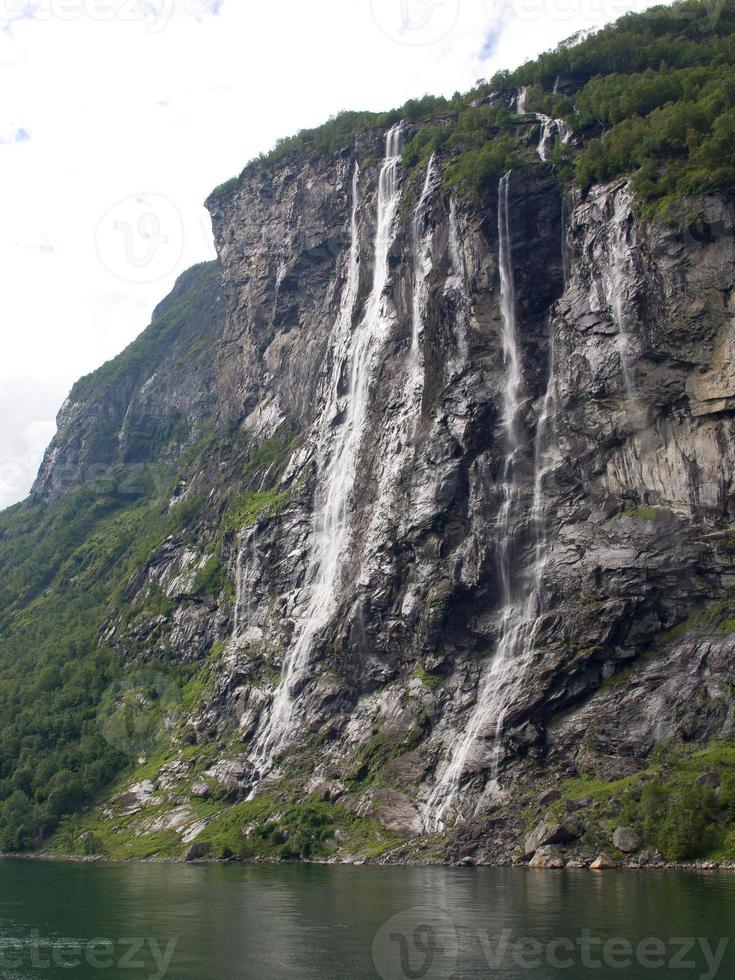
339	433
246	579
521	588
565	263
394	461
550	128
422	238
457	283
616	279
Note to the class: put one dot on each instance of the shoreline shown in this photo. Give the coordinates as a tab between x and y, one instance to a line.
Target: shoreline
698	866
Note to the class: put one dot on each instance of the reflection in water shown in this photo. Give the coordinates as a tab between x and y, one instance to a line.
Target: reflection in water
324	923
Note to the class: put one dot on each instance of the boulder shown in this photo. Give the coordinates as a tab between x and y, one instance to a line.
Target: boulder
136	797
231	776
551	832
393	811
548	797
574	806
328	790
710	779
627	839
197	852
549	857
200	789
603	862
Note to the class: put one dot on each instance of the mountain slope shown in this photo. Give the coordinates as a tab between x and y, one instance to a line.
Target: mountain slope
450	546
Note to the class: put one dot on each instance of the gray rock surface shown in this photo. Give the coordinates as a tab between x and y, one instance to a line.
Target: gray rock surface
627	839
626	355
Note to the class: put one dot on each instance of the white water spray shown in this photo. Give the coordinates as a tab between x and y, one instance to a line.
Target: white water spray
550	128
422	266
521	594
355	349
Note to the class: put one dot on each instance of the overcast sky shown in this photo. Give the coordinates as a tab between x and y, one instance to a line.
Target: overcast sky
119	116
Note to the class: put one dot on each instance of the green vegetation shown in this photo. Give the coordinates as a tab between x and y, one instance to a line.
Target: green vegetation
275	826
63	570
430	681
166	338
250	506
657	100
675	812
76	701
652	96
648	513
210	580
265	465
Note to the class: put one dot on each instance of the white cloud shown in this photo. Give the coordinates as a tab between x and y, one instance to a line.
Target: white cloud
158	101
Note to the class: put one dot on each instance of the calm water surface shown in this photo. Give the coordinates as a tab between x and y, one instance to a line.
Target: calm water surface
318	923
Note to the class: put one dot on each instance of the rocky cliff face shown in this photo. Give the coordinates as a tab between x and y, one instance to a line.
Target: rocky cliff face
149	403
486	541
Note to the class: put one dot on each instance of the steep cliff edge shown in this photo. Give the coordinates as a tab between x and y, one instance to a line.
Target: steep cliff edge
150	402
452	542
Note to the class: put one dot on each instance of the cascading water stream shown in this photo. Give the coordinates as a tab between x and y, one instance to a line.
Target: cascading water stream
550	128
356	350
422	238
394	461
456	284
521	594
616	278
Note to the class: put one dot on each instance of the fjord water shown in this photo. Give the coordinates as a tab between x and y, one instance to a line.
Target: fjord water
323	923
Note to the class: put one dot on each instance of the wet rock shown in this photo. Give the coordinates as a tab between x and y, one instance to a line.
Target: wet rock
329	790
136	797
177	820
394	811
